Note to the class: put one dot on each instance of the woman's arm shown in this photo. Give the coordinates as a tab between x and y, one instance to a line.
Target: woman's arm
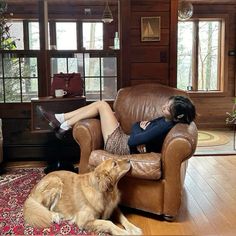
154	130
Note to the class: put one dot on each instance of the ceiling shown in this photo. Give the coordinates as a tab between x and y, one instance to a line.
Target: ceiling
214	1
101	2
82	2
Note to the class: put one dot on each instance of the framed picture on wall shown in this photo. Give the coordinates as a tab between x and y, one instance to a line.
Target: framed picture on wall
151	28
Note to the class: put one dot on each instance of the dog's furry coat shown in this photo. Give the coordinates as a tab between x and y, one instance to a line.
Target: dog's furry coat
86	199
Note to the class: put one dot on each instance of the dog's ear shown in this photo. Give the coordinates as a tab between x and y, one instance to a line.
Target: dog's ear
105	182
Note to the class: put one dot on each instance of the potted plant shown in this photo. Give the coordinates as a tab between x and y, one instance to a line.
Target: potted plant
231	119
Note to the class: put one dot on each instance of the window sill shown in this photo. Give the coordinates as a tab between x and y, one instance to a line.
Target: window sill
206	93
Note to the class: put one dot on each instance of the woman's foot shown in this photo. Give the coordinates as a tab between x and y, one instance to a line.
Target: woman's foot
60	133
61	165
50	117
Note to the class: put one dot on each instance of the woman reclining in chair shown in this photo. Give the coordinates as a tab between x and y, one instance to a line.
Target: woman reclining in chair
146	136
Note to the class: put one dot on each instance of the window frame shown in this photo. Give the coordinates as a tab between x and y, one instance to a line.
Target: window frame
79	33
42	80
92	53
223	63
19	54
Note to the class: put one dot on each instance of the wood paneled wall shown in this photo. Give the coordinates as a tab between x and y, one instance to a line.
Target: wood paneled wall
144	62
152	61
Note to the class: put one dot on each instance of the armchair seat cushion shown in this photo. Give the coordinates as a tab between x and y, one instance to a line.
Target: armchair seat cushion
143	166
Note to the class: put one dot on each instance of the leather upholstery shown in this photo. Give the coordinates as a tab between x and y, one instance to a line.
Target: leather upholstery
143	166
144	102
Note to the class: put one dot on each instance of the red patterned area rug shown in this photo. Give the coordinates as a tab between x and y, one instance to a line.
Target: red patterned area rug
15	186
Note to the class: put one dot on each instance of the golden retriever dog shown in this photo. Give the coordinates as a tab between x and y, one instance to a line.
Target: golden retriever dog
85	199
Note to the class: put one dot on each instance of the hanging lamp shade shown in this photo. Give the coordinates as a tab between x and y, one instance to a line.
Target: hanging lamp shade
185	10
107	14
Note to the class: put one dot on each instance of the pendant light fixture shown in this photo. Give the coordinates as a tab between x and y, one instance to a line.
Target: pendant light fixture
107	14
185	10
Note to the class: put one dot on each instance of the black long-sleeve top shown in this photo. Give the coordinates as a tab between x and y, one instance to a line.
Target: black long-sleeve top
153	136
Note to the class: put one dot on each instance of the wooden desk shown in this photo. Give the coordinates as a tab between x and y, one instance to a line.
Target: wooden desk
57	105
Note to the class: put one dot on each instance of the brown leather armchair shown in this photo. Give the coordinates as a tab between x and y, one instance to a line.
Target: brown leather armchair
143	102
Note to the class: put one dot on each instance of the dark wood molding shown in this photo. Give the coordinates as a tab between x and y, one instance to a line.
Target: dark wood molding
43	62
173	43
26	33
125	13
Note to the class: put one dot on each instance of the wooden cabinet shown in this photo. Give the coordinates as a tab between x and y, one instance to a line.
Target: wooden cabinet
57	105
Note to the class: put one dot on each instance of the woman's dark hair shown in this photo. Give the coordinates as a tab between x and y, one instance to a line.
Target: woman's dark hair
182	109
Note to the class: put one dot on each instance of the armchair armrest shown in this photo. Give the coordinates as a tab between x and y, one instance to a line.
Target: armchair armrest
179	145
87	133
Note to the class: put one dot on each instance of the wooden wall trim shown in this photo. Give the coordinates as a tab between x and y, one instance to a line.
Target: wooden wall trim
173	43
43	34
125	16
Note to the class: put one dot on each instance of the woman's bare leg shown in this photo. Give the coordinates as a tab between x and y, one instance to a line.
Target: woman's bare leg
101	108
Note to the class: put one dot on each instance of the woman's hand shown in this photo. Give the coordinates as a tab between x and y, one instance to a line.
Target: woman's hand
142	148
144	124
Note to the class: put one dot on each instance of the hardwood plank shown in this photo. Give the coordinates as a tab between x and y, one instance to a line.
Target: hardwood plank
222	199
201	225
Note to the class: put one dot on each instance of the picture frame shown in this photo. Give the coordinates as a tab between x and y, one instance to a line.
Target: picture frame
151	28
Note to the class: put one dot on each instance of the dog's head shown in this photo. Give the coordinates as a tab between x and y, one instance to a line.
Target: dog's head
109	172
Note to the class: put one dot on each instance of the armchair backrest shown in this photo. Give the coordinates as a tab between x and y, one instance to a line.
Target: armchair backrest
142	102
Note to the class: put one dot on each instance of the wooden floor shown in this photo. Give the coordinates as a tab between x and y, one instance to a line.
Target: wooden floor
209	201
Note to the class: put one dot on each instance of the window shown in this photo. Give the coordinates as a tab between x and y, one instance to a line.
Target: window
66	36
16	33
98	71
100	77
18	78
92	35
34	36
200	55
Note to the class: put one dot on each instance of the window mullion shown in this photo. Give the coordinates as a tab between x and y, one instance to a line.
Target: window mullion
84	74
20	74
195	55
52	32
3	78
100	76
79	36
220	50
26	34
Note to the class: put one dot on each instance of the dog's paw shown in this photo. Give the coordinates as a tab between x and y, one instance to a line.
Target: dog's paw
135	230
122	232
56	217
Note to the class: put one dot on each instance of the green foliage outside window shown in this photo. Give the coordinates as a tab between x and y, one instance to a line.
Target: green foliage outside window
6	41
199	55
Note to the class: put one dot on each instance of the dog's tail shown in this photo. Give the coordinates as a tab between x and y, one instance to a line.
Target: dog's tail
39	206
37	215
